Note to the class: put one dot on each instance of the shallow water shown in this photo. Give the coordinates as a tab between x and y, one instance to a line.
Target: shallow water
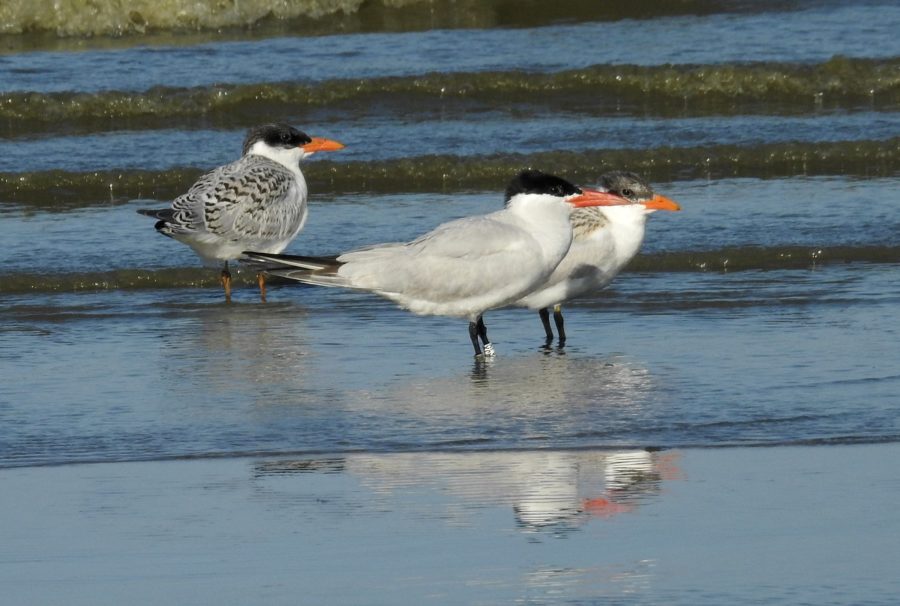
548	132
665	360
344	447
852	30
726	224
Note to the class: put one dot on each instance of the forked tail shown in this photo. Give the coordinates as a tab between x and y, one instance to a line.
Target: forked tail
321	271
164	216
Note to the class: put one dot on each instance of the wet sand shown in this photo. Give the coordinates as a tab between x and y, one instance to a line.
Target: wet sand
711	526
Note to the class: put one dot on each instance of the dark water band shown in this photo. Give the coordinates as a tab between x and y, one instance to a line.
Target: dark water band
59	190
727	259
777	88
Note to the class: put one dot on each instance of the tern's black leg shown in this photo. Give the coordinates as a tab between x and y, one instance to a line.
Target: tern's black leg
560	324
482	332
473	334
545	320
226	282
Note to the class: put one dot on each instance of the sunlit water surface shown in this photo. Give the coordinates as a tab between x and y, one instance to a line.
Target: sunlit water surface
720	427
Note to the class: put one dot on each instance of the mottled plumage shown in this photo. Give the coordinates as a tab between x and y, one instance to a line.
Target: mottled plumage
254	203
257	202
586	220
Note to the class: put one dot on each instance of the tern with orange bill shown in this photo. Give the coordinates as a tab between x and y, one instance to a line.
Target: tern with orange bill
465	267
605	239
258	202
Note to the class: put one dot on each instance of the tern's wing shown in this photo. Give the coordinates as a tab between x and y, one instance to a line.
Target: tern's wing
458	259
253	197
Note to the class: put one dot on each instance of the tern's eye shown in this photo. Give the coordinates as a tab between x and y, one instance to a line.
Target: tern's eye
628	193
285	137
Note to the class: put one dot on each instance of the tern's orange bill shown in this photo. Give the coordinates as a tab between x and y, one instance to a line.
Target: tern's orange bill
594	197
658	202
319	144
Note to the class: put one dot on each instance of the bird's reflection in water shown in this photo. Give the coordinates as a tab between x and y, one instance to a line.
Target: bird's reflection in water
510	405
238	352
536	387
548	491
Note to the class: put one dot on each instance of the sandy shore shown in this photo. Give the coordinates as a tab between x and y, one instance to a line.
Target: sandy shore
774	525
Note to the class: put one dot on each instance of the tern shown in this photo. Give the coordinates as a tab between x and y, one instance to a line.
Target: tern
257	202
464	267
605	239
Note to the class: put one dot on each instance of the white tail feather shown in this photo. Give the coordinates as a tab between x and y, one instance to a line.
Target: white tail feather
308	277
285	261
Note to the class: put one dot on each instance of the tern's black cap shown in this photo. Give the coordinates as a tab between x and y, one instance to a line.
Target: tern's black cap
532	181
276	134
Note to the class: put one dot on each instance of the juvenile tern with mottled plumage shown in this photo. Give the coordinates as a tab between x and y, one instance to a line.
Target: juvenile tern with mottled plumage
257	202
605	239
464	267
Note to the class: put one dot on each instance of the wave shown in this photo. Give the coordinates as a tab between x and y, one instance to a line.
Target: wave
725	259
333	459
60	191
727	89
118	279
141	17
110	17
746	258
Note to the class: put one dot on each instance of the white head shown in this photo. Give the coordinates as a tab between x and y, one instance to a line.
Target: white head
285	144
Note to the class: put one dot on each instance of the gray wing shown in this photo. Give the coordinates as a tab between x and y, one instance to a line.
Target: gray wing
458	259
252	197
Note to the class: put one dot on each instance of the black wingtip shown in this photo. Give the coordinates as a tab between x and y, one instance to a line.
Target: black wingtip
328	260
164	214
